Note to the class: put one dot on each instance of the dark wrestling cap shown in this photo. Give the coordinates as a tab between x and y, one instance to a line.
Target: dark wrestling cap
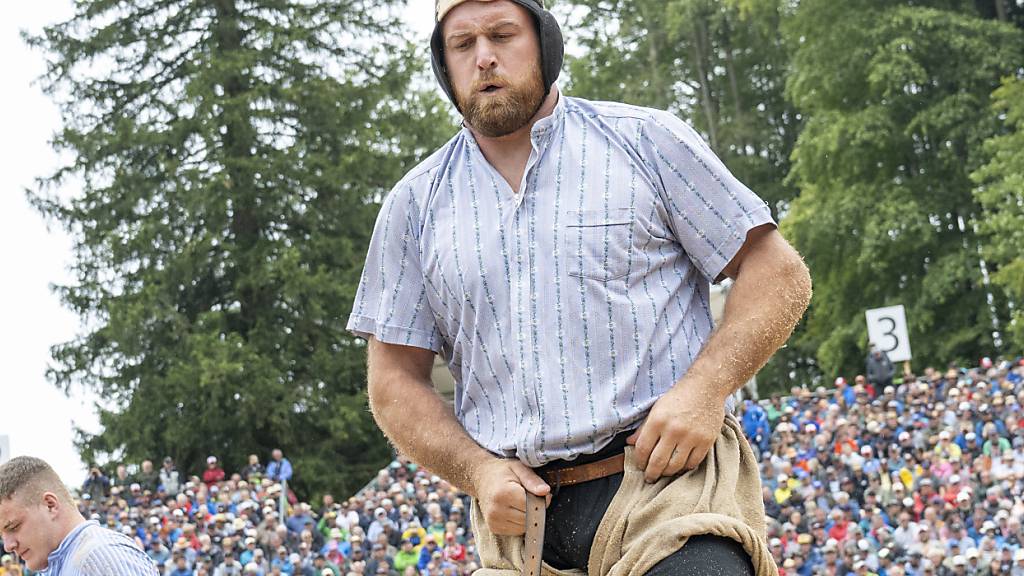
551	43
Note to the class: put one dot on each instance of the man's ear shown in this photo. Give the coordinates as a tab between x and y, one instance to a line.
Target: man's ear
52	502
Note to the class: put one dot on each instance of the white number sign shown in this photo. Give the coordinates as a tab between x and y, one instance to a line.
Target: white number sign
887	329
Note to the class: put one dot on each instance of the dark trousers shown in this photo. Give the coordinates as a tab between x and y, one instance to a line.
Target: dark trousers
575	512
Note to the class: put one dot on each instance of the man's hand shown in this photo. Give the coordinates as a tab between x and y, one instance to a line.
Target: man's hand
679	431
501	487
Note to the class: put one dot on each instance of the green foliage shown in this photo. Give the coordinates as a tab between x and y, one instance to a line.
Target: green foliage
1000	192
895	98
231	157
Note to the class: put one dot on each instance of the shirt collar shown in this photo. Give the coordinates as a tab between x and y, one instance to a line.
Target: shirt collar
53	560
543	128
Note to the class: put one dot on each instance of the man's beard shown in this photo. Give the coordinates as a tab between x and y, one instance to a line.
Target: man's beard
502	114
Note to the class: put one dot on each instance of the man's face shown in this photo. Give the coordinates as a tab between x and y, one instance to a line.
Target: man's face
492	53
29	529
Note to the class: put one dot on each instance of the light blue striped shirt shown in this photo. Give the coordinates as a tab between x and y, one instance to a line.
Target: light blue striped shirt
566	308
91	550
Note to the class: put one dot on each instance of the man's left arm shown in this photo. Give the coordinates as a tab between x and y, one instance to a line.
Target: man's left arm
771	291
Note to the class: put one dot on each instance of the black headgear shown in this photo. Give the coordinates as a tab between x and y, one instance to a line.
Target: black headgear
551	48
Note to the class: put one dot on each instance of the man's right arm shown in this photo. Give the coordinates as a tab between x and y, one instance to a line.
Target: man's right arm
424	428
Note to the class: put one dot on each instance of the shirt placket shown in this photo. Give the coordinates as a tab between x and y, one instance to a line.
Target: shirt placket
526	299
521	291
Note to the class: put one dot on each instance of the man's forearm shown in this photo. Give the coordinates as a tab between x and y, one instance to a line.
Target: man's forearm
422	426
765	303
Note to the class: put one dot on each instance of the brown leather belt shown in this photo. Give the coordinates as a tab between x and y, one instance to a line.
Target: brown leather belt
533	548
583	472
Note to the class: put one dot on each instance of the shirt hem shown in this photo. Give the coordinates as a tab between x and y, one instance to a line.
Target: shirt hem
714	264
364	327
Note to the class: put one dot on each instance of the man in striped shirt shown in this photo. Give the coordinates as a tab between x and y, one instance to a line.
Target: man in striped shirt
558	254
40	522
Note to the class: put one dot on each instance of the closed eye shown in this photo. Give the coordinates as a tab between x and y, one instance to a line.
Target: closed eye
458	42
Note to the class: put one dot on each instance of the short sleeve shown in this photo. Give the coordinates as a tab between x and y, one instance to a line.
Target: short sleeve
708	209
391	302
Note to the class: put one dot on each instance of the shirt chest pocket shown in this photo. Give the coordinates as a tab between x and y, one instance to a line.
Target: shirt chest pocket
598	243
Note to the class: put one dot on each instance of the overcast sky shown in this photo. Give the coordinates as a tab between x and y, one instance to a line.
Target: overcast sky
36	416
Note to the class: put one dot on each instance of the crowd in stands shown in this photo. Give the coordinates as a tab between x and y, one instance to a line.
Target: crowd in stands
406	521
919	476
912	476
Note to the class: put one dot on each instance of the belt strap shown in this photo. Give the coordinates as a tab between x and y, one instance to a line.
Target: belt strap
584	472
533	548
534	538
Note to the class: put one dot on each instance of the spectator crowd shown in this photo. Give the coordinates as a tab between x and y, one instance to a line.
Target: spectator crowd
919	476
405	521
912	476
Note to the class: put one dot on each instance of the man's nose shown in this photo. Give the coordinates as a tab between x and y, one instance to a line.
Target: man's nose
485	55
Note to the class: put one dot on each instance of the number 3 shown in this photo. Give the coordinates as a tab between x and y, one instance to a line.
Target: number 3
889	333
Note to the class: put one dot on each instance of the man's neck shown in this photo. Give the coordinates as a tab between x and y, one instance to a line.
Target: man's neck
67	525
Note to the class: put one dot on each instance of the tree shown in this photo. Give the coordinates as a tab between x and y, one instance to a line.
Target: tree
1000	192
231	156
894	97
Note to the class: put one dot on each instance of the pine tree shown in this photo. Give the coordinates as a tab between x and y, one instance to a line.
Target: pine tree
231	156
